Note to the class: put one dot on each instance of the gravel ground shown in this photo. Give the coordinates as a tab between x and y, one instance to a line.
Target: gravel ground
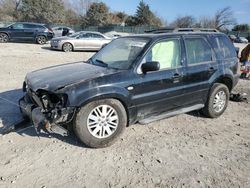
184	151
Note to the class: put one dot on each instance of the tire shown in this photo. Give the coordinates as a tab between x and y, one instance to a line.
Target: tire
67	47
4	38
95	132
217	101
41	40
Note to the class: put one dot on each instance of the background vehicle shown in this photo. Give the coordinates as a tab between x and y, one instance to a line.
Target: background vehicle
80	41
232	37
241	40
22	31
140	78
58	31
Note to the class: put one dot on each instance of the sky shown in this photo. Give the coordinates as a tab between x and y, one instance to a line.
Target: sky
171	9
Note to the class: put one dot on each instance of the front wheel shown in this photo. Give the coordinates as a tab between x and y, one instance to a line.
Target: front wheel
67	47
217	101
99	123
4	38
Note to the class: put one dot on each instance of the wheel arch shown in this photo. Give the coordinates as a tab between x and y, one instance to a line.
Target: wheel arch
4	32
117	97
68	43
226	80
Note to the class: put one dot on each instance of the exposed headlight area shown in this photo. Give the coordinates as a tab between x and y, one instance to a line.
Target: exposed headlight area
50	100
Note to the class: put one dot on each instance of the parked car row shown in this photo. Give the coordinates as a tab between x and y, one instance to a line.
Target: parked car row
63	38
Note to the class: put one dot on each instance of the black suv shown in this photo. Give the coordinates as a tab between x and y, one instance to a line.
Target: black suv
40	33
139	78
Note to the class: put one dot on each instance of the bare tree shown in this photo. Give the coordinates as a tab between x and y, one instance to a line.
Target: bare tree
184	22
224	18
10	9
79	6
207	22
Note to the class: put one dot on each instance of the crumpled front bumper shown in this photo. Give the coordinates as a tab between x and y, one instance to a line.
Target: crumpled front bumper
34	113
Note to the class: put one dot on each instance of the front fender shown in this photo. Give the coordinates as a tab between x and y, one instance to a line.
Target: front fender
82	97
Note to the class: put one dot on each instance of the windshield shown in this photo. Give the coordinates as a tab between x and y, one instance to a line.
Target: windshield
120	53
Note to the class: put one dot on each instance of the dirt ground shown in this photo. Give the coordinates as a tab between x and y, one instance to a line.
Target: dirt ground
184	151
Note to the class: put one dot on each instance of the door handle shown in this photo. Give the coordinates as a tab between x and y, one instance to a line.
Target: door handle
211	69
176	76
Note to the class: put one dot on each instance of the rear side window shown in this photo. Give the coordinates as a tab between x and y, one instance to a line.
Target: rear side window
198	50
93	35
225	47
167	53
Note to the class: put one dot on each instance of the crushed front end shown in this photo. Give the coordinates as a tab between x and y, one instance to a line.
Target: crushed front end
47	110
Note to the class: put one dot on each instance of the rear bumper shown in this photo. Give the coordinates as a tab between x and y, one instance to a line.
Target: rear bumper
236	79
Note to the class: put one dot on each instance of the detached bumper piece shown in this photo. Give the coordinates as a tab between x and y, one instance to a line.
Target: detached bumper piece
42	121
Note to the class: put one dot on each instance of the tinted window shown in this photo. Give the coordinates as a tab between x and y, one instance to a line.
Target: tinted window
167	53
225	46
29	26
197	50
17	26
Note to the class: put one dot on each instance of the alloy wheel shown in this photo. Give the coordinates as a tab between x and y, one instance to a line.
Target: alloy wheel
102	121
219	101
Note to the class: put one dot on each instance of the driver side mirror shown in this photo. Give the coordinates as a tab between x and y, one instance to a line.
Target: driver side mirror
150	66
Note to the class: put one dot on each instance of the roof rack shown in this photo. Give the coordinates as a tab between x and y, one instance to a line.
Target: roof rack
174	30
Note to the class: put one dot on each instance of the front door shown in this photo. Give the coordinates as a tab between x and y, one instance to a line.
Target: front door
17	31
159	91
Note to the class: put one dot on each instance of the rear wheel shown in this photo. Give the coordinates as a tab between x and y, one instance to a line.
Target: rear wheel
67	47
99	123
41	40
4	38
217	101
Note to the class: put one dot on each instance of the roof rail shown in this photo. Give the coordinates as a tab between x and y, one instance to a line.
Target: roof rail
174	30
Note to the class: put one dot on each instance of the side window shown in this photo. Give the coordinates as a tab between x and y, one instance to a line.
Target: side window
197	50
17	26
29	26
225	47
97	36
84	35
167	53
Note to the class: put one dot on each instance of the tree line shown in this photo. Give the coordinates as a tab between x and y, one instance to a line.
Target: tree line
96	13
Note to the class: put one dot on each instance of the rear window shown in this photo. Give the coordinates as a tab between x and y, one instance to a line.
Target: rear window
197	50
225	47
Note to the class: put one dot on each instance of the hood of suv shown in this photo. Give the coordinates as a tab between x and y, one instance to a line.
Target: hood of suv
54	78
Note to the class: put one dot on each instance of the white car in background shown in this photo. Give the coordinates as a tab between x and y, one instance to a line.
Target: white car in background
62	31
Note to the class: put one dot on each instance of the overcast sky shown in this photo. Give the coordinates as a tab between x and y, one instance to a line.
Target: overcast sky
170	9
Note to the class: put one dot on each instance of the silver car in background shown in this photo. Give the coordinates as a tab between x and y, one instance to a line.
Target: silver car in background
83	40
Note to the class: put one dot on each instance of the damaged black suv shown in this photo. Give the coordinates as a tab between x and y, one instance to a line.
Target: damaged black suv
139	78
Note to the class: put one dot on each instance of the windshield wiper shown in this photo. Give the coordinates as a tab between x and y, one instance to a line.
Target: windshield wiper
102	63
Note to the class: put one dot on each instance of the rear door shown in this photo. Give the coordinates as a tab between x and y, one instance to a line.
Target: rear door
29	31
162	90
94	41
201	65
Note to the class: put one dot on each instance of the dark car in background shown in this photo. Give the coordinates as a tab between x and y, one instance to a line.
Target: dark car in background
22	31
